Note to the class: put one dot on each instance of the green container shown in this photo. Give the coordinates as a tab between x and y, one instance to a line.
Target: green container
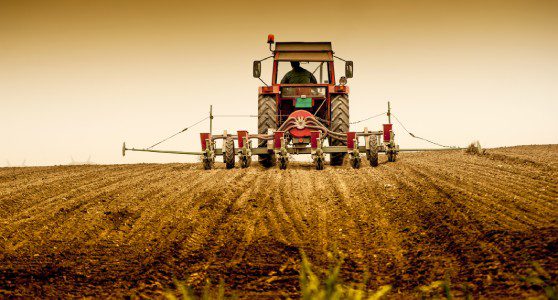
303	103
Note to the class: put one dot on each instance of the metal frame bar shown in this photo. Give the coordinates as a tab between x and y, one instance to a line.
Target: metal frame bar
308	150
166	151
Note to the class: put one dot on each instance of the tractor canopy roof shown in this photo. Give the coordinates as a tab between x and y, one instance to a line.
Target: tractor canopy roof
303	51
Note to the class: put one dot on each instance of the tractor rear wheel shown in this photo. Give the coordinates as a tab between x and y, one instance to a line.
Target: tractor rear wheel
267	119
339	123
228	155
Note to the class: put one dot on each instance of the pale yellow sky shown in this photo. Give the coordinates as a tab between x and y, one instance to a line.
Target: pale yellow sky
78	78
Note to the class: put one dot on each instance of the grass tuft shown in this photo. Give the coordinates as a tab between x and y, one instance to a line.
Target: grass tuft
329	286
210	292
315	288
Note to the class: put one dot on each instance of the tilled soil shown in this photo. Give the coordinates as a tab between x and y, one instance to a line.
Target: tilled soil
122	230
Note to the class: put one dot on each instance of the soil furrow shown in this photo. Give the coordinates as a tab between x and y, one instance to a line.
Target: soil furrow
130	230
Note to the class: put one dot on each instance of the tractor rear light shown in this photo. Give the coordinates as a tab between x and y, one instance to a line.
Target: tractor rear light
351	136
241	135
387	132
268	89
204	137
277	137
341	88
270	39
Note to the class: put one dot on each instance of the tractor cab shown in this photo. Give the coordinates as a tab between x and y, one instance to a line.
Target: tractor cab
314	57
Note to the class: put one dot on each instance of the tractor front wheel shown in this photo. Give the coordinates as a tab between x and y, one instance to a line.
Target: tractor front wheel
339	123
267	119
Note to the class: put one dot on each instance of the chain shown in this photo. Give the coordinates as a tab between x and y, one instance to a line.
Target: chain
375	116
418	137
181	131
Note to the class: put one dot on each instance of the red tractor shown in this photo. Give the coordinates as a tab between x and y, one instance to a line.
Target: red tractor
298	111
296	118
325	100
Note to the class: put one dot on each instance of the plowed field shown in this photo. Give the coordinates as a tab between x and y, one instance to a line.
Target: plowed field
120	230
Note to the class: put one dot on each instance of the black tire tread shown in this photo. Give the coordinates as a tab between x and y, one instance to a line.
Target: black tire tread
339	123
228	155
267	119
373	152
